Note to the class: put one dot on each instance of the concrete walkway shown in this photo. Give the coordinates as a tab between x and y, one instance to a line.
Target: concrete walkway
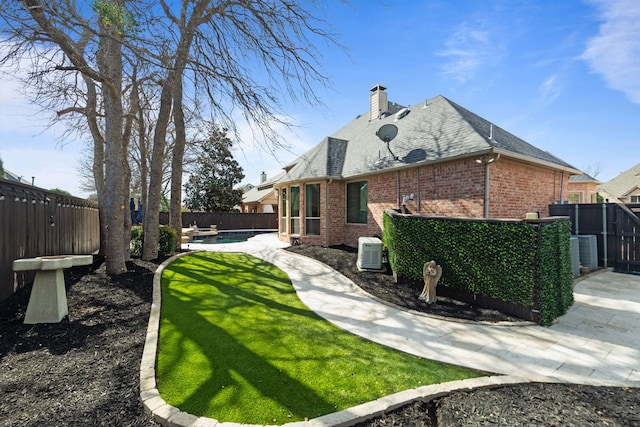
597	342
598	339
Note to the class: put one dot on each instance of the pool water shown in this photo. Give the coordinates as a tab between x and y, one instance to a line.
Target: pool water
226	237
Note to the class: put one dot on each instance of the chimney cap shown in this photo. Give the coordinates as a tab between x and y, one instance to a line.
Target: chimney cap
377	87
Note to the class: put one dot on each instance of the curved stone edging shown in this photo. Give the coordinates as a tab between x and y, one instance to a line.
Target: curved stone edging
168	415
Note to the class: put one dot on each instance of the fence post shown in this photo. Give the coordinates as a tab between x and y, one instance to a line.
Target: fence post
577	220
604	234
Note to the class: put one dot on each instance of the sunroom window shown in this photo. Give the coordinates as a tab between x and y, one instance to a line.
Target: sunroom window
312	209
295	210
357	202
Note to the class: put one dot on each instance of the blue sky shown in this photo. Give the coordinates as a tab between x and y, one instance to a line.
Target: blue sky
562	75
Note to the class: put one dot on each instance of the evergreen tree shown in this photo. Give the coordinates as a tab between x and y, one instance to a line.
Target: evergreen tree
211	183
1	168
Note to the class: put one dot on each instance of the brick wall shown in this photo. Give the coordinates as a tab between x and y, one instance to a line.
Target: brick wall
584	192
445	189
517	188
451	189
337	210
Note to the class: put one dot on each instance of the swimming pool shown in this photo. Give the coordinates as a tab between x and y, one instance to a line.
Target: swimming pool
231	236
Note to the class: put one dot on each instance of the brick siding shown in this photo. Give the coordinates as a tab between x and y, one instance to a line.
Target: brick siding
586	192
453	189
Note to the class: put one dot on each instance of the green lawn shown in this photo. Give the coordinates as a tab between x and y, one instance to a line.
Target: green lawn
236	344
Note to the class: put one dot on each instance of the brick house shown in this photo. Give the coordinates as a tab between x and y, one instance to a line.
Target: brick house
261	198
444	161
582	189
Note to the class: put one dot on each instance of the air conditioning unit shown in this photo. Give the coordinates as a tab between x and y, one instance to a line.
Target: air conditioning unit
589	251
575	255
369	254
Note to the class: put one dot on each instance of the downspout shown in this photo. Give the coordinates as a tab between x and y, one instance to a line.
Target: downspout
418	188
486	189
487	161
398	188
562	186
327	209
604	235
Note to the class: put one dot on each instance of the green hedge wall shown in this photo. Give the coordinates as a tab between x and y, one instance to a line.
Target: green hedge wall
554	270
505	260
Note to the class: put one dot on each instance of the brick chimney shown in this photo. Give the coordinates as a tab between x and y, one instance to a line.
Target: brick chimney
378	103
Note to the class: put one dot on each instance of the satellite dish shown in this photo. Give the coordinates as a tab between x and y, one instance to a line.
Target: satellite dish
387	132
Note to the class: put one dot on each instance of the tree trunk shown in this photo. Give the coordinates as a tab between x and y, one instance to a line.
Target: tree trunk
144	166
98	156
152	222
175	211
109	59
174	77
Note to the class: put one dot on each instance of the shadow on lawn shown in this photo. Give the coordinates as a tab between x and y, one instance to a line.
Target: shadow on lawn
228	361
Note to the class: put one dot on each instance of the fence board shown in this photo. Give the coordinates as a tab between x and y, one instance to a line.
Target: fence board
26	217
227	220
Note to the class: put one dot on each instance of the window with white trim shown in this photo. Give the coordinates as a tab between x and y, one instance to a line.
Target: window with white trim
312	209
357	202
283	211
294	215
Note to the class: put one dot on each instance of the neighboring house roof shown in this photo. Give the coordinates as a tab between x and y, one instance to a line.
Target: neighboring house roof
582	178
255	195
623	184
433	131
14	177
258	193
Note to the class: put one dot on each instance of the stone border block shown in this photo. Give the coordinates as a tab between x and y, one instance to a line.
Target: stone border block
163	414
181	419
205	422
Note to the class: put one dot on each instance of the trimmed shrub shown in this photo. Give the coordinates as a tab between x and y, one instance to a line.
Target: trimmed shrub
135	247
166	241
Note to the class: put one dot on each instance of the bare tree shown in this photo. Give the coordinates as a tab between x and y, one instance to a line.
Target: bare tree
593	170
220	46
211	48
91	50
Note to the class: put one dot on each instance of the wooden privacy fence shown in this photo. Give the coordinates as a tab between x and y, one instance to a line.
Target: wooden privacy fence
227	220
36	222
616	227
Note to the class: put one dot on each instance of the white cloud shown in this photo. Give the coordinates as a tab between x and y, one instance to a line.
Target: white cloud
615	51
468	48
549	90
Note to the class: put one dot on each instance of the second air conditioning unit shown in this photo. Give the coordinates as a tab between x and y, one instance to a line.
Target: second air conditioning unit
369	254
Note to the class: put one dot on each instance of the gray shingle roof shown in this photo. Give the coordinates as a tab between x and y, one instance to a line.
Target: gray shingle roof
433	131
582	178
14	177
260	191
255	195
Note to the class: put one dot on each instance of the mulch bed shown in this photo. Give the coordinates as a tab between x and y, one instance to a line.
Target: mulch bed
383	286
84	371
